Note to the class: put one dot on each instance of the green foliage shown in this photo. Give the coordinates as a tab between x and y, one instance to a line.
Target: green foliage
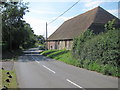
79	42
41	39
3	46
45	53
61	55
40	42
99	52
65	56
59	52
41	47
15	31
110	25
13	80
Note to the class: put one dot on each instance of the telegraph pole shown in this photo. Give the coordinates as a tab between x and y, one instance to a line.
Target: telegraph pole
46	36
46	30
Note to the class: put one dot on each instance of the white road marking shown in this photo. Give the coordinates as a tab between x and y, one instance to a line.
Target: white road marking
49	69
37	61
74	84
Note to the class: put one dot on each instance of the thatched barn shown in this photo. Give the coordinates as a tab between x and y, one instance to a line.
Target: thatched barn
94	19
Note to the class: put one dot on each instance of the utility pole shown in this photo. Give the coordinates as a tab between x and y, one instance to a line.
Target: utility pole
46	30
46	36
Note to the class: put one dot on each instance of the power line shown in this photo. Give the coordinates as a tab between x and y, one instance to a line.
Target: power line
64	12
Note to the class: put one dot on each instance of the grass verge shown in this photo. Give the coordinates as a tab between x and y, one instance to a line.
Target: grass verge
61	55
66	56
12	82
47	52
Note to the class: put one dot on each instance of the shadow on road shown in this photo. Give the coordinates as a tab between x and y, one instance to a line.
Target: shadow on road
33	57
11	55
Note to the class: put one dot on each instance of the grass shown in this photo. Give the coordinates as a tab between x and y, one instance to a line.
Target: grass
13	81
57	53
66	56
47	52
61	55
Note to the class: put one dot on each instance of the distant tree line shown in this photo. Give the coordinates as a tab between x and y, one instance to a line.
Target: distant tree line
16	32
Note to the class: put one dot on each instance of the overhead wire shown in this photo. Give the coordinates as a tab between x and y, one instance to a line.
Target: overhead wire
64	12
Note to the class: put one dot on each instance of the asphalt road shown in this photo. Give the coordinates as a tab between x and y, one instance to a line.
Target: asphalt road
36	71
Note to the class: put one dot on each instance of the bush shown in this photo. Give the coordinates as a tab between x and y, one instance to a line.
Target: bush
79	42
99	52
41	47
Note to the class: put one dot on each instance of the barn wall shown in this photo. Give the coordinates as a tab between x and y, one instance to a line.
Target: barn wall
64	44
51	44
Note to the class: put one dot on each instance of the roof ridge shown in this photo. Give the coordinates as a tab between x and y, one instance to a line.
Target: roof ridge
73	18
99	10
96	8
80	23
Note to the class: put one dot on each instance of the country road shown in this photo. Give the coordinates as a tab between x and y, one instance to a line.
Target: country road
37	71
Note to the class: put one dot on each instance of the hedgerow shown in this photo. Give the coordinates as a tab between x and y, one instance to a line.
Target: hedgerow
99	52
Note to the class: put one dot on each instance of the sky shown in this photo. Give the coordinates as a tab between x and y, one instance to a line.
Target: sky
42	11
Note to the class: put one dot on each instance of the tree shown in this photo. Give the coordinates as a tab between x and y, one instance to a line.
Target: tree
16	32
78	42
110	25
41	39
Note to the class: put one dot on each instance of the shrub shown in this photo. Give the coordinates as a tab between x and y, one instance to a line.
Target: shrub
79	42
99	52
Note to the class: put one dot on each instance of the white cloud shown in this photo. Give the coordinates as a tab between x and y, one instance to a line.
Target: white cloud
92	4
115	11
68	0
42	12
39	26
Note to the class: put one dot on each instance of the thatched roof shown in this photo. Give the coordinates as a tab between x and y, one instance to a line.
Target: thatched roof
74	26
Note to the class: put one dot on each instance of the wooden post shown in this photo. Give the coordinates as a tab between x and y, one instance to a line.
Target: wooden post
46	30
46	37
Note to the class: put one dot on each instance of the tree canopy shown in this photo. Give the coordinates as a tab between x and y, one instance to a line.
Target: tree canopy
15	31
